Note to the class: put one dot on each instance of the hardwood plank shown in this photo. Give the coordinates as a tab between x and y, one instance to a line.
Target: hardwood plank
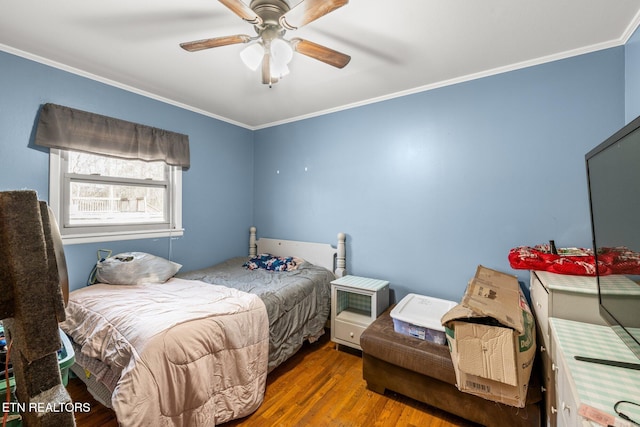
319	386
99	415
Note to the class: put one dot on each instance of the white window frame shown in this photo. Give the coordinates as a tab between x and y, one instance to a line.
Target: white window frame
59	192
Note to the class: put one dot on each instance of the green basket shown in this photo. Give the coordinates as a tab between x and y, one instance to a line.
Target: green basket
66	357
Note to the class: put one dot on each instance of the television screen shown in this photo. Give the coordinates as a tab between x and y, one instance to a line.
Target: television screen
613	173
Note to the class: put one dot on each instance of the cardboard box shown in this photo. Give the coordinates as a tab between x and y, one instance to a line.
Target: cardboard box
491	336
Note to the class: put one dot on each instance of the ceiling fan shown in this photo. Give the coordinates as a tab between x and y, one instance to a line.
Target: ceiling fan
269	48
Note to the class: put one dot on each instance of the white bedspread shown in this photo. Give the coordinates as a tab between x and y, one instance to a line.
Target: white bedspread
191	353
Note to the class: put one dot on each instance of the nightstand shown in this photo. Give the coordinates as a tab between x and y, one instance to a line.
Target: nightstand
355	303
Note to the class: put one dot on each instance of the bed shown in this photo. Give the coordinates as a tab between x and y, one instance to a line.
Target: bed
196	349
297	301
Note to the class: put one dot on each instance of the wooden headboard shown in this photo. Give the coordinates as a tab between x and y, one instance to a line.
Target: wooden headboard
322	254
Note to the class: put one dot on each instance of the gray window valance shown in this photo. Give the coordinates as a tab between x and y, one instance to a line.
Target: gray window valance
70	129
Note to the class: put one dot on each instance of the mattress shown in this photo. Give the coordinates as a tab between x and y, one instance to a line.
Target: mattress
298	302
189	353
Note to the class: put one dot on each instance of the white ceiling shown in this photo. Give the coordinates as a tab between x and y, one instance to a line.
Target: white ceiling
397	47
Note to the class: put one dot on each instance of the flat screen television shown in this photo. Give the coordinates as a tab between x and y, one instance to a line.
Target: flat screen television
613	174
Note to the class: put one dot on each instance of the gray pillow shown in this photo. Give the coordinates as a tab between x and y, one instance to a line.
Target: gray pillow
134	268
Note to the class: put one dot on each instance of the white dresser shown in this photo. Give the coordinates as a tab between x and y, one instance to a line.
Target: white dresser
583	383
566	297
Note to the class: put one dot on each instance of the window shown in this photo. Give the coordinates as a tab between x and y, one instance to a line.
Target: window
99	198
95	193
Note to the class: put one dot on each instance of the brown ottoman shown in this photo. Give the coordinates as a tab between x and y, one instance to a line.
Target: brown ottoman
423	371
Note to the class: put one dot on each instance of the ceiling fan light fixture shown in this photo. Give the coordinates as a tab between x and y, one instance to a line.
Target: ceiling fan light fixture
280	54
278	70
281	51
252	55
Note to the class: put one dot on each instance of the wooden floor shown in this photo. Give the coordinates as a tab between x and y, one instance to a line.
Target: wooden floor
319	386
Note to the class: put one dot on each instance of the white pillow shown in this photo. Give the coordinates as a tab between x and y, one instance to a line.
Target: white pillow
134	268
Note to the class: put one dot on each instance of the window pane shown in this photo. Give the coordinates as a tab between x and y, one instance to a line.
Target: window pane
103	204
90	164
97	199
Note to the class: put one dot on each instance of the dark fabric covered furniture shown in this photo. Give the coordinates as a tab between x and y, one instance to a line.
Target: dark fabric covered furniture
423	371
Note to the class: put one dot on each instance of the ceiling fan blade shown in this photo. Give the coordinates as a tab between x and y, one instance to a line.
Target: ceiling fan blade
215	42
321	53
308	11
242	10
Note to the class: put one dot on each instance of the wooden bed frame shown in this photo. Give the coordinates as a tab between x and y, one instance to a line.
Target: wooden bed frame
321	254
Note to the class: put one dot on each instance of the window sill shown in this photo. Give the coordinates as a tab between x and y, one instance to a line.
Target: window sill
74	239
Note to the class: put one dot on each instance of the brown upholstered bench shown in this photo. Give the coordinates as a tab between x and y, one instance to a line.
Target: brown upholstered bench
423	371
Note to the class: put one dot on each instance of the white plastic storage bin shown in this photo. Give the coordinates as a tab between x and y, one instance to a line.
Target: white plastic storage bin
419	316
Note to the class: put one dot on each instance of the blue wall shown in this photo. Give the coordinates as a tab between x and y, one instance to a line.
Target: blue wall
632	72
217	189
430	185
426	186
